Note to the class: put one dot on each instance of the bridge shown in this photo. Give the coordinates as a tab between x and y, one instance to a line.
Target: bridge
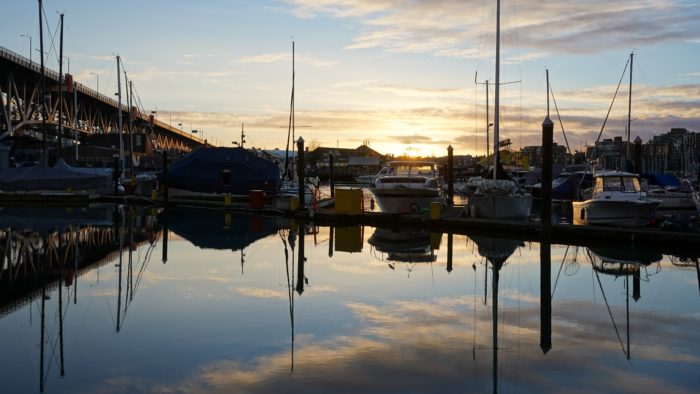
88	116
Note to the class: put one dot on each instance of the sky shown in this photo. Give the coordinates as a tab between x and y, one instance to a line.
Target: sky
398	75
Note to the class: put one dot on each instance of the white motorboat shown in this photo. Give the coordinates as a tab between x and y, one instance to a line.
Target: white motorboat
499	199
291	189
369	179
672	198
408	186
616	200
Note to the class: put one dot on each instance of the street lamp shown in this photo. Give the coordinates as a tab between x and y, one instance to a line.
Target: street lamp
30	45
97	76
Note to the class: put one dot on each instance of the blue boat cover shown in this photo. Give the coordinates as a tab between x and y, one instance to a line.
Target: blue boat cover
208	229
662	180
223	170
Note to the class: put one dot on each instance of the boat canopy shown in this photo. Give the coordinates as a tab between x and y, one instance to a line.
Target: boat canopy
223	170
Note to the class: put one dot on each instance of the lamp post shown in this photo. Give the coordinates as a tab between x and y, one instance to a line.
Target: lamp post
30	45
97	77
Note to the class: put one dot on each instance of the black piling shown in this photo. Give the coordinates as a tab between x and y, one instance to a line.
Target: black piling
450	176
300	173
331	174
165	177
300	265
545	293
165	236
449	252
638	155
330	241
547	137
636	286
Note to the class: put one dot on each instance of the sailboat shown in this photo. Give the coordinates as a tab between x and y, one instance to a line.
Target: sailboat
61	176
289	187
617	198
498	198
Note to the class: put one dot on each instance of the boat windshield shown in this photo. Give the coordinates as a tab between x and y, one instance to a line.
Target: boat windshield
625	184
402	169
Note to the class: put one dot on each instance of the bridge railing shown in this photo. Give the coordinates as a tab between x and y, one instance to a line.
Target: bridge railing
53	75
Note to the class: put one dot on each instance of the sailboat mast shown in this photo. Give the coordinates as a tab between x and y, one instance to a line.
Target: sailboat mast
487	119
496	104
547	73
44	112
59	142
629	109
119	120
292	115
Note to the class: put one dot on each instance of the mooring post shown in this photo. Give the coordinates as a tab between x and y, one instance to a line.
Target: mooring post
332	174
545	293
547	136
449	252
450	176
636	288
165	177
638	155
330	242
165	235
301	260
300	172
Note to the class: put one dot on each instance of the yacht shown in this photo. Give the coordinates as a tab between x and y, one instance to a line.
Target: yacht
616	200
408	186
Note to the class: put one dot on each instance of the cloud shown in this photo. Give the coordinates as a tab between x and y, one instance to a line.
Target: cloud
280	57
261	293
389	350
458	28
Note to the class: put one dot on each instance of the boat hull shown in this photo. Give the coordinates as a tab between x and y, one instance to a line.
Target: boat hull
614	212
405	200
499	207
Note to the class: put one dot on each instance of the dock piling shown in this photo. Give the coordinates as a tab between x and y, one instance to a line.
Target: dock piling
300	172
638	155
450	176
547	137
332	174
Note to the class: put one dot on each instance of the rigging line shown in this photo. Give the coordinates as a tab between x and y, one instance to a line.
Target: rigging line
559	273
609	110
559	116
608	306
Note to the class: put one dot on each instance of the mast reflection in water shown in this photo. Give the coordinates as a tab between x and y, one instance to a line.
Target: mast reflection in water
317	309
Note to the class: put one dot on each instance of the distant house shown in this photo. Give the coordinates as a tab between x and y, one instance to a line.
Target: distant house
347	163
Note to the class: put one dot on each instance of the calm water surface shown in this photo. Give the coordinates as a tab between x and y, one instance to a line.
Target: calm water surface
263	305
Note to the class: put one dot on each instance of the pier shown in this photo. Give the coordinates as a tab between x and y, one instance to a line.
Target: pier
87	113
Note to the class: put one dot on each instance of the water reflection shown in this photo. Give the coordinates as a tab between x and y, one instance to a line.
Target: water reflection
302	318
46	249
404	246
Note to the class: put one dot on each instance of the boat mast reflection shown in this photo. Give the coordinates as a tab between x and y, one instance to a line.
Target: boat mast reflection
496	251
621	262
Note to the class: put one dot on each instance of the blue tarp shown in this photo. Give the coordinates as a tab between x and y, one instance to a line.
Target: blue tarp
662	180
209	230
223	170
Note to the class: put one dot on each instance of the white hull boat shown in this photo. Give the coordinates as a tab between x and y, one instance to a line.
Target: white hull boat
672	199
499	199
616	200
408	187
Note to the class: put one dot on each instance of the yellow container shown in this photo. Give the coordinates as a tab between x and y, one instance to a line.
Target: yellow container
227	199
348	201
348	239
293	203
435	210
154	194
